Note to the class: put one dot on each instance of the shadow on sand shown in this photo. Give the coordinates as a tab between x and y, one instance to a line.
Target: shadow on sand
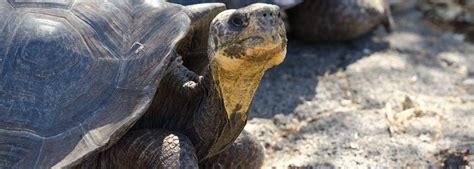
294	81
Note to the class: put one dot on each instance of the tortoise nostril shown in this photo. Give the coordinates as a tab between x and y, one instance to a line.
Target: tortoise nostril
269	14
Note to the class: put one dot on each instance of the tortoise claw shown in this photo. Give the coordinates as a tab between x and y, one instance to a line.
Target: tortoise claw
193	84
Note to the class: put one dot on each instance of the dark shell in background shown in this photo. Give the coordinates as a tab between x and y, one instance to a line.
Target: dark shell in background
76	74
324	20
338	20
233	4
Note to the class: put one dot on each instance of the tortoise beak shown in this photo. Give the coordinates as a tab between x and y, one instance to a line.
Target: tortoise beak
265	41
266	24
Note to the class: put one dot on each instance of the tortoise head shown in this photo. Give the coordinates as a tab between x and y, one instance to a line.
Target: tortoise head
251	35
243	44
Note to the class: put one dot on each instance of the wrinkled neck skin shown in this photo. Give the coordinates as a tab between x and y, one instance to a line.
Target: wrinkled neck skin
224	115
232	87
237	89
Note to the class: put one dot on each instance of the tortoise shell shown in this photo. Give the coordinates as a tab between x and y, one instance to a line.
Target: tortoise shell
75	75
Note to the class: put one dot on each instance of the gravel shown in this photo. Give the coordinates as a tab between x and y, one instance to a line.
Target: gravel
340	104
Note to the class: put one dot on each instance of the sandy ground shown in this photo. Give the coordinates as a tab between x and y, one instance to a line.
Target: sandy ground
404	99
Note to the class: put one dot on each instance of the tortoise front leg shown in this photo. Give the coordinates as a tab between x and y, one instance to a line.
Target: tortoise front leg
246	152
181	74
146	149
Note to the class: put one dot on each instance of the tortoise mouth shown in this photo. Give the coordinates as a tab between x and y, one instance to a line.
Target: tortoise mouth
251	41
257	41
259	57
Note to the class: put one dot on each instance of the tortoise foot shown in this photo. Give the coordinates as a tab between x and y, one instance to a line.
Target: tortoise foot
147	149
245	153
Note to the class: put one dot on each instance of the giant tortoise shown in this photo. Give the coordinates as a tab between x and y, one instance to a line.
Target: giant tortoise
325	20
130	83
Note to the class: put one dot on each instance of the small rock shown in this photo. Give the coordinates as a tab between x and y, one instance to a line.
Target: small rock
354	146
425	138
346	102
468	82
413	79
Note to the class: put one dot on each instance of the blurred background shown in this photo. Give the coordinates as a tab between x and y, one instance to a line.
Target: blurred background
382	99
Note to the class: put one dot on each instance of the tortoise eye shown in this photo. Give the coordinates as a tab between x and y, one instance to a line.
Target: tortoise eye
238	20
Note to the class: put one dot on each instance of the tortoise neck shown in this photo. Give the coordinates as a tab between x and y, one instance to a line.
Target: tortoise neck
230	95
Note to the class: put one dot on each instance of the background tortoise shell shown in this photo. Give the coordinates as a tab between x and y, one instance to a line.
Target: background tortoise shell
232	4
324	20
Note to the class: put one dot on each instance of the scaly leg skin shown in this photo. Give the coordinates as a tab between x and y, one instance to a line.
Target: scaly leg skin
183	75
245	153
147	149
